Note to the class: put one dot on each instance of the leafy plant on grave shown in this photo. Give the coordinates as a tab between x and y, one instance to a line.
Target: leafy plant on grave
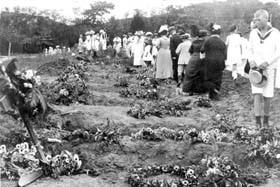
69	87
122	82
159	109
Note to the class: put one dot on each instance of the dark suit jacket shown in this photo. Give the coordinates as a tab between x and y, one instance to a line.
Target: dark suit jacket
175	40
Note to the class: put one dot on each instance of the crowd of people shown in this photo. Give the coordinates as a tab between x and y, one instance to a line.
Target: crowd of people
92	42
197	63
56	50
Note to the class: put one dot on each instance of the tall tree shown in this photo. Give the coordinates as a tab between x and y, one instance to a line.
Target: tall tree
137	22
95	15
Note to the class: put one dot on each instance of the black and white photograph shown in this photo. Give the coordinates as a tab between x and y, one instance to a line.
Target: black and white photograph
140	93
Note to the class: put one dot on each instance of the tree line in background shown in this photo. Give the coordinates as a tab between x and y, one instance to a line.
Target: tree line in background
26	30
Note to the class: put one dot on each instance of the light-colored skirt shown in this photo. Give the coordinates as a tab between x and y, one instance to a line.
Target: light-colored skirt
164	64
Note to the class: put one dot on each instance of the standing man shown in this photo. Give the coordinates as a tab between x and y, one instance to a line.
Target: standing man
175	40
264	52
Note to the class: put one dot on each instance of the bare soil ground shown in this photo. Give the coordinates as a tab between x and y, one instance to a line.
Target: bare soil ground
114	162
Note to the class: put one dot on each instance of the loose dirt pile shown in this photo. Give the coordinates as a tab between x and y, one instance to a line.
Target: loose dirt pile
53	68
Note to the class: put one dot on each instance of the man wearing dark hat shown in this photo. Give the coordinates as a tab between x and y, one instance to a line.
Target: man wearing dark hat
175	40
264	50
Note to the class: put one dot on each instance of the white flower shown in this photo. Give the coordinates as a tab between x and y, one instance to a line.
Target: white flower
49	158
76	157
64	92
79	164
3	149
37	79
218	117
278	156
29	74
190	172
216	27
27	85
212	171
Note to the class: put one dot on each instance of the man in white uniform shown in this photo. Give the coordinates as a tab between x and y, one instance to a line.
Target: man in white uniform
264	52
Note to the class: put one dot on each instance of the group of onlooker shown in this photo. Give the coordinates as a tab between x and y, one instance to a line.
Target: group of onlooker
56	50
92	42
197	63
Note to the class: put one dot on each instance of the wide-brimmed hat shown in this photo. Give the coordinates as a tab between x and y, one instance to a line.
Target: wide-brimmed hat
137	33
258	78
149	34
202	33
163	28
216	27
185	36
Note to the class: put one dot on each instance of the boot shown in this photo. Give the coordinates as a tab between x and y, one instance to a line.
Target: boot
265	121
258	122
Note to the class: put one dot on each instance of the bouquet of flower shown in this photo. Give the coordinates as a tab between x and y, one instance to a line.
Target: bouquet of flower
22	159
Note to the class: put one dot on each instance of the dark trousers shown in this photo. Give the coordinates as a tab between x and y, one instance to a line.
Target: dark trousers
175	68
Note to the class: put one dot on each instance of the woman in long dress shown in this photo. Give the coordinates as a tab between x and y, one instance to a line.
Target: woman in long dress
214	62
234	51
137	50
80	44
193	82
164	61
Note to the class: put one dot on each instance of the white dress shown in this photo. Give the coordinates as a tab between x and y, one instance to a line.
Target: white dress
103	41
149	53
183	51
96	43
117	44
88	42
234	56
137	50
244	56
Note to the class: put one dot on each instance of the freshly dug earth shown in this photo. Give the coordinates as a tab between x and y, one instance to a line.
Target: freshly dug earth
113	162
